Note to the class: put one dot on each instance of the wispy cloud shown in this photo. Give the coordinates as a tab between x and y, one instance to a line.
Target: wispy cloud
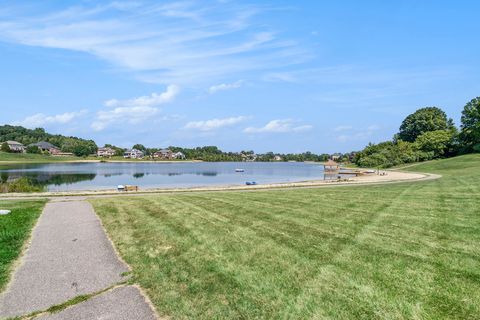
225	86
279	126
348	133
133	111
152	100
213	124
177	42
121	115
342	128
40	119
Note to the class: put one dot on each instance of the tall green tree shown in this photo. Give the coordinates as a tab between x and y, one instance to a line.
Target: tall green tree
424	120
470	128
437	142
5	147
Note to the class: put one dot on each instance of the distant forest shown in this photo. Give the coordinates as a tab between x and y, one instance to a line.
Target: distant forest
426	134
81	147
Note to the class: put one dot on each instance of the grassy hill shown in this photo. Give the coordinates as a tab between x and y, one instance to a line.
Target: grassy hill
6	157
398	251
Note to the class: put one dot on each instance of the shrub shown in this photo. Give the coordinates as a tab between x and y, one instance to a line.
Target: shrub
33	149
20	185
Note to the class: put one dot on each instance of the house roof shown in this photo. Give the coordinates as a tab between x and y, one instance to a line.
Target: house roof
13	142
44	145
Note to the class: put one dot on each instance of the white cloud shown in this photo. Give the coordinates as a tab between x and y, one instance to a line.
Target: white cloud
225	86
279	126
213	124
152	100
121	115
133	111
180	42
357	134
342	128
40	119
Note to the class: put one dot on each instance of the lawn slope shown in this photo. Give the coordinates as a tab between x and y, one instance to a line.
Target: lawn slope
13	158
15	229
397	251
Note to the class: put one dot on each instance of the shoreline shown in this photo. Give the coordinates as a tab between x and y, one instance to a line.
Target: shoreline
393	176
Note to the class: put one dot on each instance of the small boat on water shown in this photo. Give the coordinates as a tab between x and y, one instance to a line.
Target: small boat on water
239	170
250	183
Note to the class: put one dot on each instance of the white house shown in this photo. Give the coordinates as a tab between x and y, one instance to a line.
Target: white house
15	146
133	154
178	155
105	152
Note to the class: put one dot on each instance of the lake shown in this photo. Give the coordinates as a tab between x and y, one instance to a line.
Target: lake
92	176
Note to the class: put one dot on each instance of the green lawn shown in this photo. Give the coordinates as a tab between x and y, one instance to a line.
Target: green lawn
398	251
6	157
15	229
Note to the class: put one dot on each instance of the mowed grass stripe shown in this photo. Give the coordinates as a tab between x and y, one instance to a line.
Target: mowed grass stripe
398	251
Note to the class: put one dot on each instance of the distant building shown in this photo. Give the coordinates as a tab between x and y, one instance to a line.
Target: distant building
178	155
163	154
46	147
133	154
336	156
105	152
277	158
15	146
249	157
167	154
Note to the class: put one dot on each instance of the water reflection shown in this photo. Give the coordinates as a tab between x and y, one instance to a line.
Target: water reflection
47	178
88	176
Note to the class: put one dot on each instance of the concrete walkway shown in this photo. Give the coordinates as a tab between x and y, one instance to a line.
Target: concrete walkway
69	255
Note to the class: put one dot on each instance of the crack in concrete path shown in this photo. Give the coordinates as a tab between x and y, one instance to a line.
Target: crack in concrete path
69	255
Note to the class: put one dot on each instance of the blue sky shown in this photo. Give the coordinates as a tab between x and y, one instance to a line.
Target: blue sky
286	76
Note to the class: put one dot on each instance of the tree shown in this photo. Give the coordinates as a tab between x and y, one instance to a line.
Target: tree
424	120
33	149
470	128
437	142
5	147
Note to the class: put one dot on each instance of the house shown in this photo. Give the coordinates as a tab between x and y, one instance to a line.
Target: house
133	154
277	158
46	147
164	154
105	152
167	154
15	146
248	157
178	155
336	156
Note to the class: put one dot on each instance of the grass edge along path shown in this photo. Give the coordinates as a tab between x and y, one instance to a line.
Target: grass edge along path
397	251
15	231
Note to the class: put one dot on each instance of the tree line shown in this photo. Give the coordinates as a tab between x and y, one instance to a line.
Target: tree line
77	146
426	134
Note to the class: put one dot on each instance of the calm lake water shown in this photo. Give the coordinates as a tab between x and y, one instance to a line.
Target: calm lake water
90	176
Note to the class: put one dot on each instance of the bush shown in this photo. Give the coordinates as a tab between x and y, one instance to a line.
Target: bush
388	154
20	185
33	149
5	147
